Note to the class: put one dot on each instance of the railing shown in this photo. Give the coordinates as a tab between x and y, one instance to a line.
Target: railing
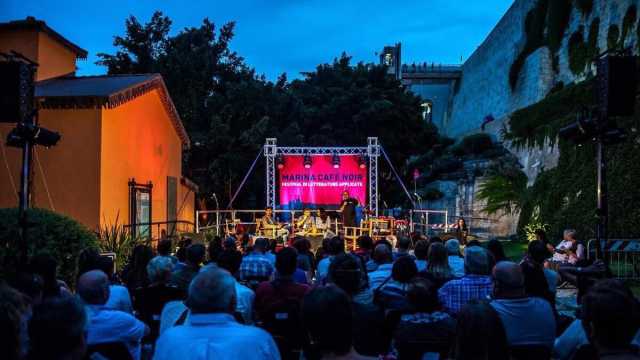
622	255
154	230
427	221
216	220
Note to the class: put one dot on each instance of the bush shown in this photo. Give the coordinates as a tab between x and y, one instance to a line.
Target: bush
613	37
476	144
50	233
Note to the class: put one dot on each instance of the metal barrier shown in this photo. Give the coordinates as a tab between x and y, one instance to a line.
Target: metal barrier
426	222
623	256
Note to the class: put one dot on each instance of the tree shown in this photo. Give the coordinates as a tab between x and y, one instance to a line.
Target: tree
229	110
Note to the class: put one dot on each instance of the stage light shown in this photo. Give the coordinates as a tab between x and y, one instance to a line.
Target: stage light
335	160
362	161
280	161
35	134
307	161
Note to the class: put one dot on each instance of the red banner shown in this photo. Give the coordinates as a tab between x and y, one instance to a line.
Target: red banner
320	183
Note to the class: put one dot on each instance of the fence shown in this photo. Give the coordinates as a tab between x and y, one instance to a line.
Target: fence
154	230
429	221
623	256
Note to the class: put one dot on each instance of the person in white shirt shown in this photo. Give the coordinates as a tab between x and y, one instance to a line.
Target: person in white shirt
211	332
106	325
569	250
230	260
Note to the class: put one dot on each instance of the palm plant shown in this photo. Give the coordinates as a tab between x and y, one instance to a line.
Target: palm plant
504	192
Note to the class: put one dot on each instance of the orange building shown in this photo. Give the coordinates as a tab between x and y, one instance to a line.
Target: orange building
119	160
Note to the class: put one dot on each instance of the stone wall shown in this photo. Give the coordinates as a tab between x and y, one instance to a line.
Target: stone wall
485	90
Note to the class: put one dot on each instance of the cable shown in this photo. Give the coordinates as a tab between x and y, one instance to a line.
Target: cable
6	163
44	179
397	176
245	179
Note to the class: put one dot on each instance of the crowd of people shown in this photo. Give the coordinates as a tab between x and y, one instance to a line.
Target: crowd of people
406	298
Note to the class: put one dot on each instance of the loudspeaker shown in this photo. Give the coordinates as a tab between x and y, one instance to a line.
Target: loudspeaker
616	86
16	91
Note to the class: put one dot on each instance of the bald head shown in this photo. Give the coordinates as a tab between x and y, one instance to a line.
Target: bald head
212	291
93	287
508	279
382	254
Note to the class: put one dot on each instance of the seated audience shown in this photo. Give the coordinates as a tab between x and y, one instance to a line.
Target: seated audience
527	320
283	288
150	300
456	262
392	294
479	334
182	277
57	330
424	328
230	260
328	319
383	258
365	248
402	248
609	322
14	314
438	270
164	249
46	267
305	256
119	297
211	332
214	249
494	246
421	252
104	325
369	337
538	281
336	247
256	266
134	274
569	250
474	285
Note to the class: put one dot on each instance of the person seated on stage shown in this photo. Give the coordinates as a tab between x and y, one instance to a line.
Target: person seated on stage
456	262
257	266
402	248
569	250
322	221
270	228
336	247
211	332
305	223
475	284
527	320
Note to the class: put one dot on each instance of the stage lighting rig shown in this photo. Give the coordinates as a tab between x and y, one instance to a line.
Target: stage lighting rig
280	162
362	161
307	161
335	160
36	135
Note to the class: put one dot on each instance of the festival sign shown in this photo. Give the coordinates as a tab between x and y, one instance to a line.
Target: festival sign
320	184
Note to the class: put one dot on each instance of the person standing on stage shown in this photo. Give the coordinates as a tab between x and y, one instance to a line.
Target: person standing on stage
348	208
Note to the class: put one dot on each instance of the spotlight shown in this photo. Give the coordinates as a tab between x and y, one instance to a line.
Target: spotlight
29	132
362	161
307	161
335	160
280	162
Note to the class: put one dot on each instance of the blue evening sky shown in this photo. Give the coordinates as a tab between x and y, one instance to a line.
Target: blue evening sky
276	36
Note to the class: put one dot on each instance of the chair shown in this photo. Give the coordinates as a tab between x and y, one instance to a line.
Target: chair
530	352
111	351
282	320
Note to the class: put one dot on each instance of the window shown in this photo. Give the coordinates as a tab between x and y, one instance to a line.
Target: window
427	111
140	208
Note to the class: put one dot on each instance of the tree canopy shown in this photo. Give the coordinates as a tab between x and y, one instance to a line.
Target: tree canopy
228	110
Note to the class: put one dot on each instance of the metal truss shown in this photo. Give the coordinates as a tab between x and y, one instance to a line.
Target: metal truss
371	151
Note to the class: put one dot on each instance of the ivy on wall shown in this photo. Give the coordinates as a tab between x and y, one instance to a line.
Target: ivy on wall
585	6
534	26
613	36
628	22
565	196
558	16
581	53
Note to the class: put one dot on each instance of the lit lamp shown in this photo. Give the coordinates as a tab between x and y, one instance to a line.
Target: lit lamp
307	161
362	161
280	162
335	160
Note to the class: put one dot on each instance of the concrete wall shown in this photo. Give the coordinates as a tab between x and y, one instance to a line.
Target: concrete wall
439	95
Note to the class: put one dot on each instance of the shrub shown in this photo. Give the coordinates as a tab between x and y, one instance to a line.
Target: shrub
432	194
50	233
476	144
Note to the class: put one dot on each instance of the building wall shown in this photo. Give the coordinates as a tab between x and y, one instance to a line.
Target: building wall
66	176
54	59
439	94
22	41
138	141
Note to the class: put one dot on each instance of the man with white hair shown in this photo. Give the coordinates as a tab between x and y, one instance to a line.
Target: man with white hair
211	332
476	284
105	325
